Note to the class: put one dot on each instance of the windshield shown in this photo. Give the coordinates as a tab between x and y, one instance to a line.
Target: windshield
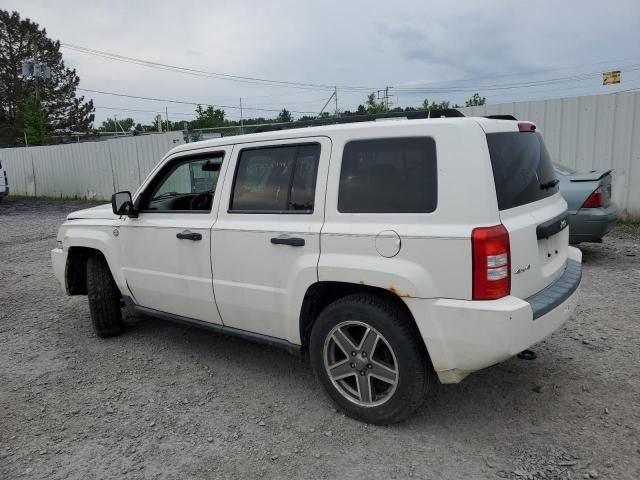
522	170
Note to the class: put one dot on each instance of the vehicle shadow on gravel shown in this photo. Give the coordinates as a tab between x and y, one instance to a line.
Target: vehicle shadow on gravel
487	399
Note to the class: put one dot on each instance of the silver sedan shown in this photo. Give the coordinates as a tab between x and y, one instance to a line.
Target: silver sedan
592	214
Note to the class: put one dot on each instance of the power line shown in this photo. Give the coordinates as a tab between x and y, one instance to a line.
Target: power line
122	109
217	75
510	86
519	74
424	88
186	102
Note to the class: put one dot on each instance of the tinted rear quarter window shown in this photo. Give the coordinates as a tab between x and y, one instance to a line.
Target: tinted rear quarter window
391	175
522	169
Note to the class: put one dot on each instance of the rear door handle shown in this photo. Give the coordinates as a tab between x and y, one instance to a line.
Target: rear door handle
187	235
286	240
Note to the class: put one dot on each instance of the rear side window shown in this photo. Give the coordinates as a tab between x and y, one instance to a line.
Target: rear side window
390	175
276	179
522	169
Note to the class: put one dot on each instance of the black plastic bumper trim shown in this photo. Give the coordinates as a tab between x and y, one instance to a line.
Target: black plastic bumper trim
549	298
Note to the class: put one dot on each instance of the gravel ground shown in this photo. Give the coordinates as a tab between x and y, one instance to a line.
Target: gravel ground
161	401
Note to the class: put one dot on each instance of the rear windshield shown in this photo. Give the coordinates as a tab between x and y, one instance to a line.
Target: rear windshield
522	170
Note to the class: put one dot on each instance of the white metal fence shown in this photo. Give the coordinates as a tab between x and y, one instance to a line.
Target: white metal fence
585	133
86	170
598	132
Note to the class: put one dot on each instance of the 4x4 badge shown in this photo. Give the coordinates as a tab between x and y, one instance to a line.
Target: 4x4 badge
523	269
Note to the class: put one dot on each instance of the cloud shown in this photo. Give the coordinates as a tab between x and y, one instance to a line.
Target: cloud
333	42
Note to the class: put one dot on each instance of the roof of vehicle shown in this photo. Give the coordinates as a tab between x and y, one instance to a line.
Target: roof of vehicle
487	124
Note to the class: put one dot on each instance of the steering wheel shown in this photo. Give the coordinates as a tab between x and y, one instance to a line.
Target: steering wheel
200	201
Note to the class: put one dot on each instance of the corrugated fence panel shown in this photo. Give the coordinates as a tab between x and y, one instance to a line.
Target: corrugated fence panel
86	170
598	132
585	133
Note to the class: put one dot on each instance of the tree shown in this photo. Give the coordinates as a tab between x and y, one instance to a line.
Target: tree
284	116
475	100
22	40
208	117
435	105
372	106
123	124
34	120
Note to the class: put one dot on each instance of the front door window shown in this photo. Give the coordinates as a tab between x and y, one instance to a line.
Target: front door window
186	185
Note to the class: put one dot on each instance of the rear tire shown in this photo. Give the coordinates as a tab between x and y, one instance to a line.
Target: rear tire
104	298
384	374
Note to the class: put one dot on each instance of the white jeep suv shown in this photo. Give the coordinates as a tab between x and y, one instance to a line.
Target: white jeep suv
391	252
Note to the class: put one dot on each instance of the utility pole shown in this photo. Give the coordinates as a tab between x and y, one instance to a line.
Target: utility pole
115	124
166	111
159	122
241	119
384	96
334	94
335	97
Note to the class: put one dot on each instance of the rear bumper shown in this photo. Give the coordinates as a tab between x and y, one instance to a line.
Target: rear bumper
59	263
591	224
463	336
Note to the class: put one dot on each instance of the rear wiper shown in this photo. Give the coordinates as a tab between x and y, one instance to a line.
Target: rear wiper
549	184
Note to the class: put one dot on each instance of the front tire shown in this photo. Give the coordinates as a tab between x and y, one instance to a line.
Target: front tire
104	298
370	358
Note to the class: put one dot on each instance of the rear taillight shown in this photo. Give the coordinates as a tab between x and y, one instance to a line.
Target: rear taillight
491	262
595	200
526	127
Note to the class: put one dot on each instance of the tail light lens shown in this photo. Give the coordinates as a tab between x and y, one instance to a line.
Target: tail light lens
595	200
491	262
526	127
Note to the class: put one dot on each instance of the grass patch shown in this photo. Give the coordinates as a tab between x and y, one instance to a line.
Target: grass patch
55	200
628	226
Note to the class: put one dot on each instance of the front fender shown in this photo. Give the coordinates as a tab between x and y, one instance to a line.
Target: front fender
99	237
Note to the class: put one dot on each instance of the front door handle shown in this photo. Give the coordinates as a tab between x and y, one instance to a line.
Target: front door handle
286	240
187	235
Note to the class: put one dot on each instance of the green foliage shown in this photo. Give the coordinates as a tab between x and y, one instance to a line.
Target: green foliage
475	101
122	125
212	118
372	106
284	116
435	105
22	40
34	121
208	117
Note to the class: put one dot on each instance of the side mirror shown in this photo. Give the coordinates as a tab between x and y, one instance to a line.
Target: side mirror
122	204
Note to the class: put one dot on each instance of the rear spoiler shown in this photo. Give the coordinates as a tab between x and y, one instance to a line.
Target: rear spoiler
590	176
501	117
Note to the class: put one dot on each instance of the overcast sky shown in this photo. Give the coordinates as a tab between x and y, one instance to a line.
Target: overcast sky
436	45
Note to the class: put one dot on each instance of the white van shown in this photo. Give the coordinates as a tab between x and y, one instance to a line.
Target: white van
391	252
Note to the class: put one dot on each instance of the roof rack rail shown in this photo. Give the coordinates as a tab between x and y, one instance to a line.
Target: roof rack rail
440	113
501	117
